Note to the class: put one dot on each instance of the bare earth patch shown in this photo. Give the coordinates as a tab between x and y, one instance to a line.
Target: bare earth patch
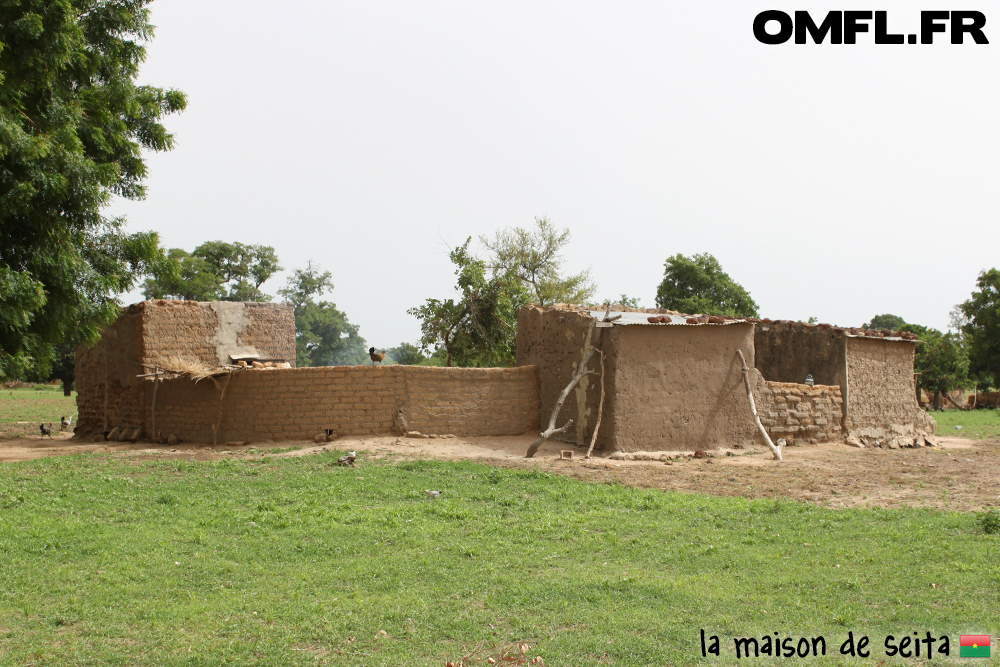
961	475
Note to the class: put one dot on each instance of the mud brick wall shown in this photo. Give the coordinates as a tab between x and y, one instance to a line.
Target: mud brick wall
209	332
555	340
787	351
808	414
108	392
291	404
881	396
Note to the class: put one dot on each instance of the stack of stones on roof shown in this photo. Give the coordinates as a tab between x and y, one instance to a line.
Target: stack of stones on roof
674	382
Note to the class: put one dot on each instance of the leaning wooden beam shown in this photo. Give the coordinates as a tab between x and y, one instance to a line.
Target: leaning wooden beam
222	395
552	430
600	409
753	408
156	385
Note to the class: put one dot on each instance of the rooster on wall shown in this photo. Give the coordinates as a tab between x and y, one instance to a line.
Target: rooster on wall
376	356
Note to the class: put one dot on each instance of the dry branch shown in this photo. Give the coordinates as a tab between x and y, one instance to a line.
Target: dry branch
552	430
600	409
753	408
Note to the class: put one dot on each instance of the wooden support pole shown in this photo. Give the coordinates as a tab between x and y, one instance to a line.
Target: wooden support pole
600	409
222	394
156	385
753	408
552	430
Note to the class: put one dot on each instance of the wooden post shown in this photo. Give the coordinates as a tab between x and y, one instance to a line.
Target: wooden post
156	385
753	408
600	409
222	394
552	430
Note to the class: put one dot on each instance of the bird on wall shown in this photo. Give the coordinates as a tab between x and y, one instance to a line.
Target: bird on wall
46	430
376	356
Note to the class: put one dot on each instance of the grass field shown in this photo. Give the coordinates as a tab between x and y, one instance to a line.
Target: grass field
297	561
42	403
978	424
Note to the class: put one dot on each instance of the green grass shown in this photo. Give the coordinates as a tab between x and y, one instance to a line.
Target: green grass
41	403
978	424
282	561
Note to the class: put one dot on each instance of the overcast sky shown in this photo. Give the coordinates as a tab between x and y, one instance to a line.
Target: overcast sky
830	181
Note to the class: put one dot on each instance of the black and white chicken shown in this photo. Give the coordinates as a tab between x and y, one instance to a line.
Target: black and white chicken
46	430
347	460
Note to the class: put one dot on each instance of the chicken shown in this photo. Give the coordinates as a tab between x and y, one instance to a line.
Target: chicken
347	460
432	494
376	356
46	430
65	423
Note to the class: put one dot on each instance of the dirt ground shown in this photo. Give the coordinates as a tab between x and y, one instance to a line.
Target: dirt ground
961	474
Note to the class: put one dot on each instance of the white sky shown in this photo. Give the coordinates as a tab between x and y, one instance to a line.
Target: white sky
830	181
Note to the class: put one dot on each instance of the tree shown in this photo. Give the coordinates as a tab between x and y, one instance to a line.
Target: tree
215	271
479	328
323	335
698	285
73	125
533	256
887	321
407	354
942	363
981	327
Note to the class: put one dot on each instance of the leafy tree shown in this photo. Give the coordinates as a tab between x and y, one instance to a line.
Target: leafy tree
407	354
887	321
73	124
533	256
942	362
624	300
698	285
981	327
479	328
215	271
323	335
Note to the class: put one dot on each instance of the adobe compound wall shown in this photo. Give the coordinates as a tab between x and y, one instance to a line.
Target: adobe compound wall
299	403
881	399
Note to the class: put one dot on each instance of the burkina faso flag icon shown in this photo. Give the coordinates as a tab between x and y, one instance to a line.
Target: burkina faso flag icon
974	646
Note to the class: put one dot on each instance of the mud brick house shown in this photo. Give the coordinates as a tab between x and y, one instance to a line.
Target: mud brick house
279	401
677	384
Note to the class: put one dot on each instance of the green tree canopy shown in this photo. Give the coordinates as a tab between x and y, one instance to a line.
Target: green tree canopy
981	327
887	321
73	125
215	271
698	285
407	354
323	335
534	257
479	328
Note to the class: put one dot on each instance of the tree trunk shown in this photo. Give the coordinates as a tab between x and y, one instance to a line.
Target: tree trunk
67	387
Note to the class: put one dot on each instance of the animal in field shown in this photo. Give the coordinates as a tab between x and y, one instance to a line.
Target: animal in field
376	356
347	460
46	430
433	495
65	423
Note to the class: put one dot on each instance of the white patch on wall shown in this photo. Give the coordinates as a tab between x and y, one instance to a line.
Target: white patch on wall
232	317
